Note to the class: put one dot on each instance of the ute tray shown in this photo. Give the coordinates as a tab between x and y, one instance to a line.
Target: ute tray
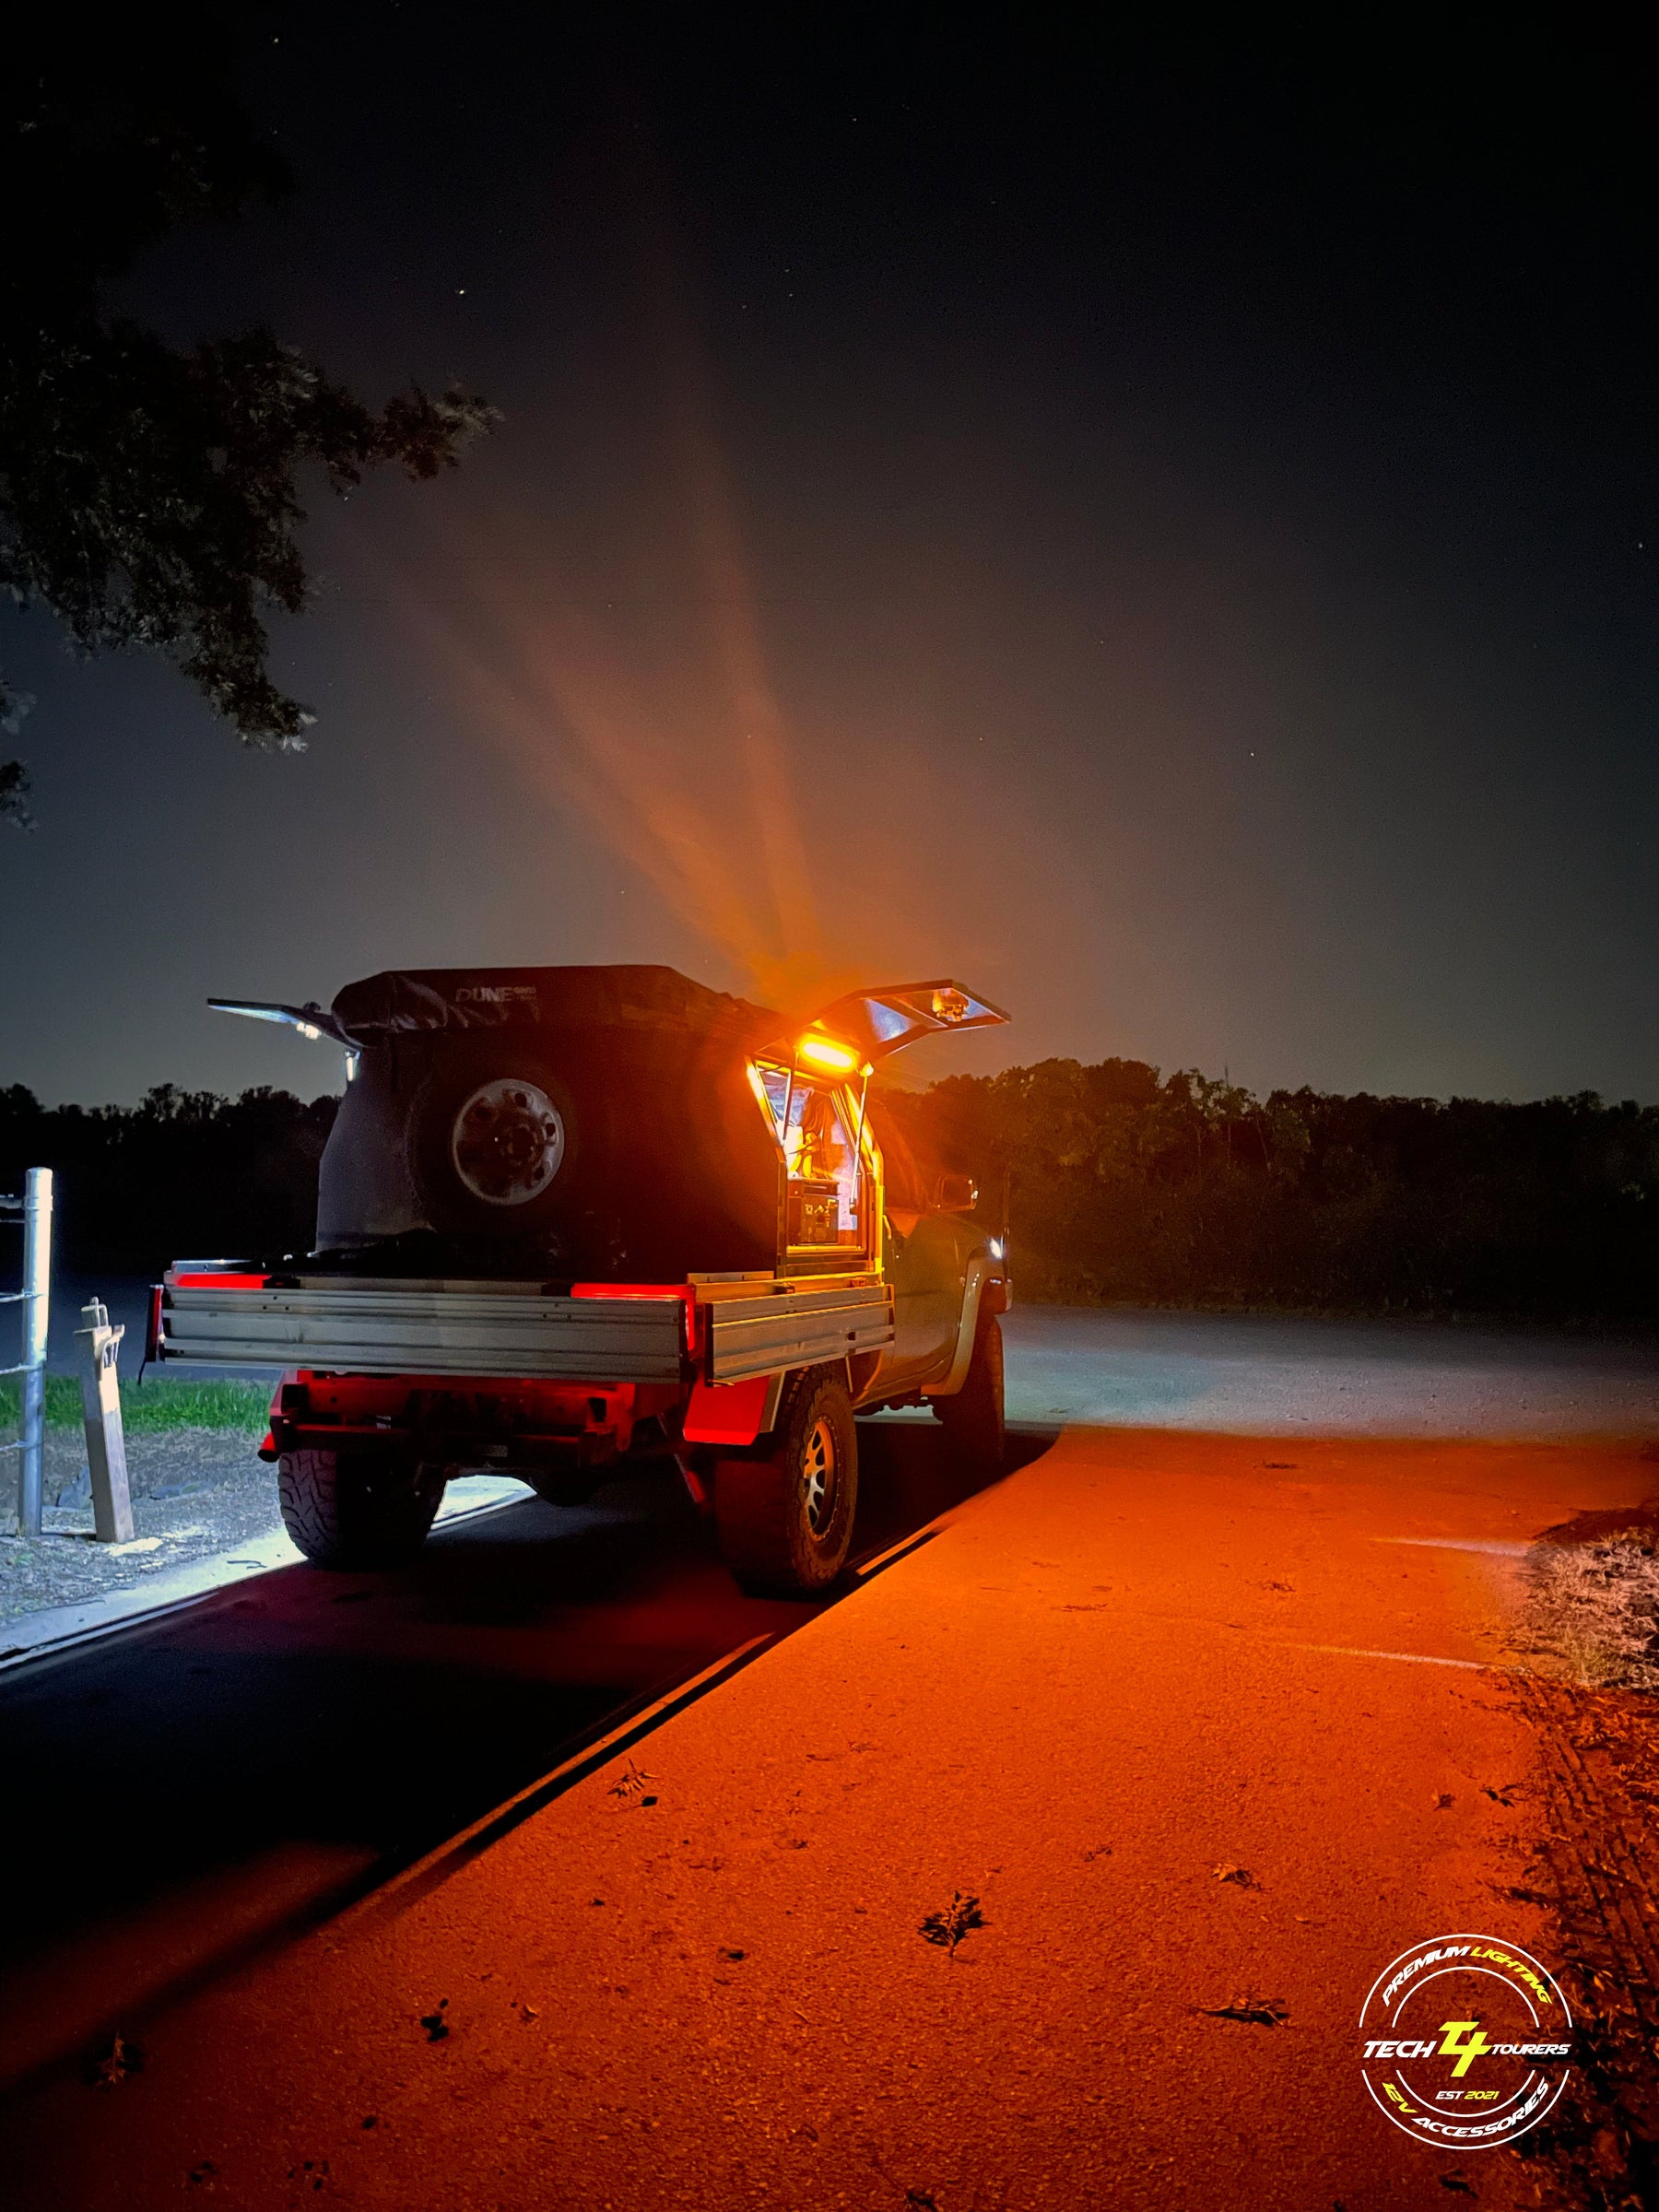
727	1332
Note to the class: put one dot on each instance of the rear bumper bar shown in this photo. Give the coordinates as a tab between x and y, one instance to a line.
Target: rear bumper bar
521	1423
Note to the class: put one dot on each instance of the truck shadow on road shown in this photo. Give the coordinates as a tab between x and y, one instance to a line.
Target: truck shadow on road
368	1718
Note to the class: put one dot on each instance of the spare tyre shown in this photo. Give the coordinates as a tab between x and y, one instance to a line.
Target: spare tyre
498	1145
594	1124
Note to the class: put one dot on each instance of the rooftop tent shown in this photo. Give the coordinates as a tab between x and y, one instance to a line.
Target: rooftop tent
403	1001
400	1001
886	1017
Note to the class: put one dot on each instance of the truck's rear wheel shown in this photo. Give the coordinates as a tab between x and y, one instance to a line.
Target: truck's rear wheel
354	1509
973	1417
785	1520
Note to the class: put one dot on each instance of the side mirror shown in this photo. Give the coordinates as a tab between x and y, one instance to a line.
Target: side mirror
956	1194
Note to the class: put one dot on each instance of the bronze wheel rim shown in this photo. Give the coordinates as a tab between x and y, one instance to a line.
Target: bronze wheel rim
819	1476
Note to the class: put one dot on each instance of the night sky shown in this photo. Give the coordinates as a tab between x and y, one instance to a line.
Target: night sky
1166	535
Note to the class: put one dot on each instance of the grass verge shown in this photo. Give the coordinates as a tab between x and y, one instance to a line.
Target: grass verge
1593	1597
150	1408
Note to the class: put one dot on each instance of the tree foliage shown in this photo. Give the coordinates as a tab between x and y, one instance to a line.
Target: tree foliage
1126	1184
150	495
182	1173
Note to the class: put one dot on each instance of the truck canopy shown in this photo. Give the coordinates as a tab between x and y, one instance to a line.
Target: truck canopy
600	1122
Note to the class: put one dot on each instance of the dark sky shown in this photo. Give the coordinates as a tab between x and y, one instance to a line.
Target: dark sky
1166	534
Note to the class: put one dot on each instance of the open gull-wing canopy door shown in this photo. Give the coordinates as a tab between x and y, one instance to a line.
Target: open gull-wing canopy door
311	1021
888	1016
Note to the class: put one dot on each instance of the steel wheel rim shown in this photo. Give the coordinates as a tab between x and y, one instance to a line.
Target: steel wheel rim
508	1142
819	1468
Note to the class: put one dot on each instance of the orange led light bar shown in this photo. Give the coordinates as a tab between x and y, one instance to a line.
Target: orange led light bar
823	1052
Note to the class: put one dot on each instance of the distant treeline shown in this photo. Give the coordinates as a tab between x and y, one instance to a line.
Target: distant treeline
1119	1183
1180	1191
184	1174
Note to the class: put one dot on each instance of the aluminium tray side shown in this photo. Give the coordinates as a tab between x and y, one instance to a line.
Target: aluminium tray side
749	1337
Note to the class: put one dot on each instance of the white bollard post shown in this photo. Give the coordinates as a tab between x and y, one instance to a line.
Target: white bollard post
99	1347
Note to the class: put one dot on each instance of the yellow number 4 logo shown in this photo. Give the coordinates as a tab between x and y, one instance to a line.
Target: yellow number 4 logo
1464	2041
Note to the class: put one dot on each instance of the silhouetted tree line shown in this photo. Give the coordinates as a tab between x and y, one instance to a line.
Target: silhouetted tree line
1119	1183
183	1174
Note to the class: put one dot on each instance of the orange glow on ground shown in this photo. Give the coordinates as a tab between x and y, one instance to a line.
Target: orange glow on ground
1187	1657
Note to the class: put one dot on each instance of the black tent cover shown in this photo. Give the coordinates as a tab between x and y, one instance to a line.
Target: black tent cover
641	996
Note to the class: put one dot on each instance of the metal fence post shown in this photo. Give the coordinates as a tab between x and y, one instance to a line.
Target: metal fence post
37	1310
35	1298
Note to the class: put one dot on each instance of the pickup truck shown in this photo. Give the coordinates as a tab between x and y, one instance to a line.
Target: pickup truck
573	1217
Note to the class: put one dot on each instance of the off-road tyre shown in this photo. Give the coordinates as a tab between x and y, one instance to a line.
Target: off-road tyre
785	1517
972	1417
346	1508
